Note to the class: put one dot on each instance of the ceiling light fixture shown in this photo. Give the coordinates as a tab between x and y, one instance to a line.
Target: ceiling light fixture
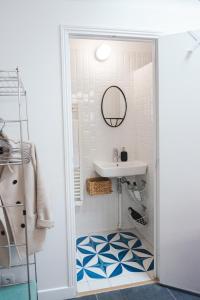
103	52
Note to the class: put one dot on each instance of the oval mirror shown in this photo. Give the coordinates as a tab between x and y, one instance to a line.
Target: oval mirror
113	106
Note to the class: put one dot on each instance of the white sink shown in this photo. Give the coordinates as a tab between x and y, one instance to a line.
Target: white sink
120	169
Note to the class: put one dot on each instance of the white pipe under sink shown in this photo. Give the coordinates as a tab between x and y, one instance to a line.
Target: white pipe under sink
119	189
119	211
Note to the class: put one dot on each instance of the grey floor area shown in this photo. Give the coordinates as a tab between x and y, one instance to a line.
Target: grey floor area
145	292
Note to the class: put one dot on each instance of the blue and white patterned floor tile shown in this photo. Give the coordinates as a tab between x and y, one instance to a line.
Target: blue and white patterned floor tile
110	256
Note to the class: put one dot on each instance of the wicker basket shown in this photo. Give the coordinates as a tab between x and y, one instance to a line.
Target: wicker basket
99	186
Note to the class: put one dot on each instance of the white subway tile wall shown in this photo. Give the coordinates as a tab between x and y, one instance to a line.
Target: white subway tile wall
144	138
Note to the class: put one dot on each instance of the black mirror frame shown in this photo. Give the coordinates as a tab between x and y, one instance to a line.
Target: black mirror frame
116	119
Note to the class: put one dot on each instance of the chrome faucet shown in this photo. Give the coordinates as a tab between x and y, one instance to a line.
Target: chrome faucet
115	155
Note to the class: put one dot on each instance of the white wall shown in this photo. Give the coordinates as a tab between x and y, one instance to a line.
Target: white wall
29	37
144	120
90	78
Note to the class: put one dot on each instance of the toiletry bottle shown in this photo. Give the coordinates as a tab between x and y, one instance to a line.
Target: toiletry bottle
124	155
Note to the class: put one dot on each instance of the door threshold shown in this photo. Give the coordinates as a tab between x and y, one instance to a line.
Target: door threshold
115	288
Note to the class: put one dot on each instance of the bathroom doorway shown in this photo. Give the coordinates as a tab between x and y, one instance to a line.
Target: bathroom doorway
114	217
114	230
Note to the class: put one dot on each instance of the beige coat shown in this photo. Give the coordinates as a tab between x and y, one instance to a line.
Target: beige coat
12	219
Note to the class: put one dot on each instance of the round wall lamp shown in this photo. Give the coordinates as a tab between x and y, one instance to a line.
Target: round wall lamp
103	52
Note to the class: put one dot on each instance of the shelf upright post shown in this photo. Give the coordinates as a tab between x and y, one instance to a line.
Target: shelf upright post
23	178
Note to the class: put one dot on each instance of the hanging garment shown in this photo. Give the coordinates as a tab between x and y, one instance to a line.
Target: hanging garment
13	193
5	148
5	248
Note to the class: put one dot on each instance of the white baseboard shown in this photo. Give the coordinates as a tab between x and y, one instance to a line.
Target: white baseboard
61	293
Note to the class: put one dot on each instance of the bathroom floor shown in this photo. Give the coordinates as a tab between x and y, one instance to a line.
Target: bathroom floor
113	259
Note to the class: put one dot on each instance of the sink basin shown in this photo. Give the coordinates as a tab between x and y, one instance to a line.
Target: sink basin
120	169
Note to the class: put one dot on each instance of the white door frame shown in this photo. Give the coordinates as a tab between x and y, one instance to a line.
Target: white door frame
103	33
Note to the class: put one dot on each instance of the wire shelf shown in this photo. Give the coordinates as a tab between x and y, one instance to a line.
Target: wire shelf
17	266
13	245
12	153
14	205
10	85
15	283
139	220
142	221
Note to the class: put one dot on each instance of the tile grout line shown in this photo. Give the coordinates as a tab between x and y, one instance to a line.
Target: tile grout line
171	294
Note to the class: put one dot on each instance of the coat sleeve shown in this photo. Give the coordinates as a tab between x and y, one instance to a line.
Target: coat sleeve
44	219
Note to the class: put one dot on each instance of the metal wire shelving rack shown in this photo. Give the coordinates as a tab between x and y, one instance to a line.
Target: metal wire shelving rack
12	88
